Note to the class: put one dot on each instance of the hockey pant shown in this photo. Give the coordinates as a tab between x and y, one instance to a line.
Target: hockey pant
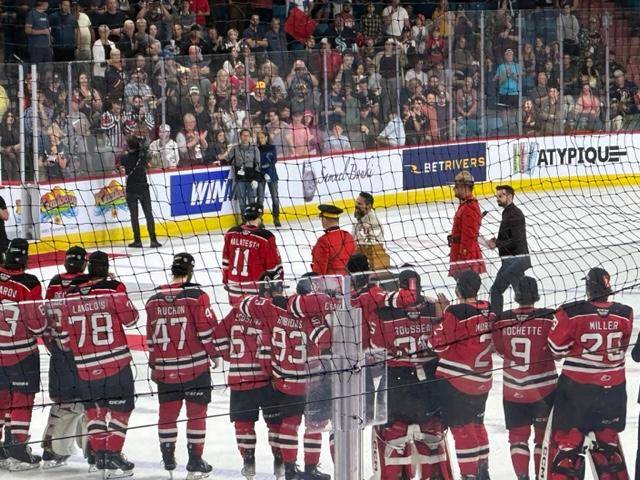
412	450
606	453
196	423
65	428
15	411
519	443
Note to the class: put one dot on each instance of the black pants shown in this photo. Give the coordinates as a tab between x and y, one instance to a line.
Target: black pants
510	273
144	197
638	457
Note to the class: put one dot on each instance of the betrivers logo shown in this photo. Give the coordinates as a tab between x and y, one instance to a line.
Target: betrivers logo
527	156
447	165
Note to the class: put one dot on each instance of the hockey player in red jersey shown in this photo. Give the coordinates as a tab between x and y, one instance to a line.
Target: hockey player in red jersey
592	336
237	338
463	343
180	332
530	377
291	338
250	254
20	324
66	413
92	319
413	441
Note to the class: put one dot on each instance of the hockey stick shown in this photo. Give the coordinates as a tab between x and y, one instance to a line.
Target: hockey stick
547	448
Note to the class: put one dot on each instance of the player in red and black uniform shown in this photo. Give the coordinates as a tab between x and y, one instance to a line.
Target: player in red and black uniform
20	324
463	343
236	339
291	339
92	320
530	377
593	336
66	412
465	251
404	333
180	326
250	254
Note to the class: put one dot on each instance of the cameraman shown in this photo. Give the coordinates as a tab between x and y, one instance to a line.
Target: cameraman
134	164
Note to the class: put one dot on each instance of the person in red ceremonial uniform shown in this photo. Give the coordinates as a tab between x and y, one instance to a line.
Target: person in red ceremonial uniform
592	336
20	324
530	377
465	251
180	326
250	254
333	249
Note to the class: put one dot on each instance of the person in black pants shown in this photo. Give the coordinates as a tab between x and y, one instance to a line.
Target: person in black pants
512	247
4	216
137	190
635	354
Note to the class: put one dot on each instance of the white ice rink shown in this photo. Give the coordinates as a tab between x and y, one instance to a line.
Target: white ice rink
568	232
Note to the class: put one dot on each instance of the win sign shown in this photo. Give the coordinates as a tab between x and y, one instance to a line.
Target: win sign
197	193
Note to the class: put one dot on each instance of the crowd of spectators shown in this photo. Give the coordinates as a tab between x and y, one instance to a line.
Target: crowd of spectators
330	76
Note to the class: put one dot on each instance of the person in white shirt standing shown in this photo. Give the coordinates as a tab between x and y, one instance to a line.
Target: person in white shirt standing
399	18
164	151
368	233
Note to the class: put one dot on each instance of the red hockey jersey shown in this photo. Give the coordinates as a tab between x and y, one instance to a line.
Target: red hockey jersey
463	343
593	337
237	338
250	254
292	336
405	333
520	337
60	284
17	286
180	329
92	319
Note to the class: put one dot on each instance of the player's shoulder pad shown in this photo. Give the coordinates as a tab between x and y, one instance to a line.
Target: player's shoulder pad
27	279
235	229
621	309
387	314
506	316
578	307
191	290
55	280
545	313
428	309
280	302
263	233
462	311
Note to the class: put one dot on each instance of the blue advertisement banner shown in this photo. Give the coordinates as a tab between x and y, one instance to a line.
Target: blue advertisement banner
437	166
200	192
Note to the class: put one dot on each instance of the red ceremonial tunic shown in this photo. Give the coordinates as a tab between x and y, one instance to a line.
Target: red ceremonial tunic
332	251
465	252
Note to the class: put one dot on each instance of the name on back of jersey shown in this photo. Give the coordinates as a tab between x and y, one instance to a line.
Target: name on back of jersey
94	305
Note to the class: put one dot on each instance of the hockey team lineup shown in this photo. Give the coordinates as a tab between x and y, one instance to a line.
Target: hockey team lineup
549	268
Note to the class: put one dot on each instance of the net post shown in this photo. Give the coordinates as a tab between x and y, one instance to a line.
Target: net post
347	388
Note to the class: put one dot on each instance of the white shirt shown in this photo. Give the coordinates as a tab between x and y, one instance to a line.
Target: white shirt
84	32
167	155
368	231
398	19
394	133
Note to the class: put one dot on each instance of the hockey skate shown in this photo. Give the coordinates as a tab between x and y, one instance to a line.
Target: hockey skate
51	459
116	466
4	458
483	470
91	460
21	458
278	466
168	450
292	472
197	467
249	466
311	472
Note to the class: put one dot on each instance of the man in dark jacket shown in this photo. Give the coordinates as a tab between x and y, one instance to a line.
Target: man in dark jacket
137	190
512	247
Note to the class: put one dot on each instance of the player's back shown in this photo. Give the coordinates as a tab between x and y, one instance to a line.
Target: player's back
520	336
180	327
17	286
19	326
92	325
237	338
463	343
405	332
593	336
61	282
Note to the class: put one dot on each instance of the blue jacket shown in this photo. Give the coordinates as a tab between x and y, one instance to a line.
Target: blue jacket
268	159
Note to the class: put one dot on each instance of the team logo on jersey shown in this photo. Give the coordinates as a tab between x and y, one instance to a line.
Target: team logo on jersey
521	317
603	312
56	204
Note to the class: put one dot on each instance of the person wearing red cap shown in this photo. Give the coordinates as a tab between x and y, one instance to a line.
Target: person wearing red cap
463	241
333	249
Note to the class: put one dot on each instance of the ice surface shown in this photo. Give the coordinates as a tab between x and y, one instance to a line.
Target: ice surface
568	232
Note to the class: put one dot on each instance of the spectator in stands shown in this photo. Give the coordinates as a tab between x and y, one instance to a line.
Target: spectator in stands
300	73
328	61
112	123
184	16
114	75
530	124
194	104
371	24
440	17
270	73
443	114
336	141
415	126
462	57
201	9
53	158
507	75
540	91
101	51
591	43
164	151
277	44
436	48
280	134
245	162
10	146
420	33
158	13
613	62
417	72
141	38
506	36
386	66
302	99
139	121
393	134
113	18
90	100
241	83
259	103
570	76
55	91
399	19
551	114
254	35
363	135
219	148
268	159
624	97
63	32
466	109
192	143
138	87
568	30
303	140
593	75
221	87
336	101
234	118
126	41
553	74
78	133
84	34
342	38
37	29
587	110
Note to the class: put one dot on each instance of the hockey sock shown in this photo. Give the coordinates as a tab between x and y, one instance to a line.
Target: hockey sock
289	438
246	436
483	441
5	417
393	454
312	447
274	437
167	421
538	440
117	431
96	428
520	454
196	426
607	456
21	408
467	449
